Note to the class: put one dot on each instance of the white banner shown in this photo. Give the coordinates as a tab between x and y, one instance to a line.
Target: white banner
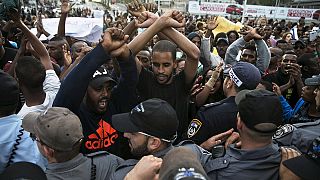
207	8
88	29
224	9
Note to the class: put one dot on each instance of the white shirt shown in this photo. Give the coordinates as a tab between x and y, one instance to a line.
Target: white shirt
51	87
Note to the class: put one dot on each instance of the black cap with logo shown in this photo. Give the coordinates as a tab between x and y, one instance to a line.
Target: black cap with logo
154	117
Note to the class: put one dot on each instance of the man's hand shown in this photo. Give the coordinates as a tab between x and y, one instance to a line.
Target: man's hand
196	88
151	7
66	56
212	23
295	71
284	172
214	77
135	8
276	89
252	33
65	6
245	30
215	140
146	19
146	169
113	39
234	138
173	18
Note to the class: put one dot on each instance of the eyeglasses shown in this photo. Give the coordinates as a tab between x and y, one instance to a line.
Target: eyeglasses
165	140
34	138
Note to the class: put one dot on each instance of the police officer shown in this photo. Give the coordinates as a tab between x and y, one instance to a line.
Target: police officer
151	128
302	134
260	113
219	117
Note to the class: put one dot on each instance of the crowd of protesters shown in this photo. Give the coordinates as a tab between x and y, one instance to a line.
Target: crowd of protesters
159	97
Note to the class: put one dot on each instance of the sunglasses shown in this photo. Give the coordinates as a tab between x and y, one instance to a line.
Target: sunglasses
165	140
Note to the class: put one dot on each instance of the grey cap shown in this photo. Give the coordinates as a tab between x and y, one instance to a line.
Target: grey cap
58	128
314	81
223	39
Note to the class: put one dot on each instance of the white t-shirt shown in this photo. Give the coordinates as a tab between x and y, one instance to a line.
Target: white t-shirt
51	87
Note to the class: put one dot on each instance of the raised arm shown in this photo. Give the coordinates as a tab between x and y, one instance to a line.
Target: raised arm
20	53
233	50
65	8
264	55
174	19
35	42
81	75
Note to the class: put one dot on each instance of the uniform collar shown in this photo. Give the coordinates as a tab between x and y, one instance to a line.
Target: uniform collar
229	99
163	152
68	165
259	153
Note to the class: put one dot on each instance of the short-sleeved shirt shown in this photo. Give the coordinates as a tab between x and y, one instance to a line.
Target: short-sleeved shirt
51	87
213	119
176	94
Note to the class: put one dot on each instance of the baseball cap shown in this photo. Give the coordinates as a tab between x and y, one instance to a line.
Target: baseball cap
300	41
9	90
313	81
100	76
244	75
193	35
59	128
260	110
181	163
223	39
153	117
306	166
23	170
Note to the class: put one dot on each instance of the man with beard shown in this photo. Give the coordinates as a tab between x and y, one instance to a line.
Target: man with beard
91	93
258	56
151	128
161	81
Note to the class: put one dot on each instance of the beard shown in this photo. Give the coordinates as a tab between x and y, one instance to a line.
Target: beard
141	150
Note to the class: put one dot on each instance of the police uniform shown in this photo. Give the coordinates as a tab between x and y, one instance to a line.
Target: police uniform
213	119
298	135
262	163
124	168
99	165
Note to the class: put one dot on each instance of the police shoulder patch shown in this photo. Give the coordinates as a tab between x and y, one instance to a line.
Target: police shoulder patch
194	127
283	131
